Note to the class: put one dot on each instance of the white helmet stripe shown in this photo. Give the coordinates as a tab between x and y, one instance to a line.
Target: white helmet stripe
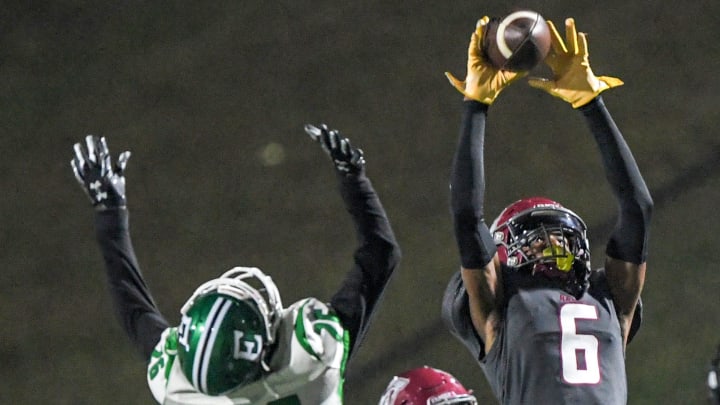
203	353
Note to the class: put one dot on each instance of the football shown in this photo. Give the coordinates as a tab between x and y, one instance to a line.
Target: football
517	42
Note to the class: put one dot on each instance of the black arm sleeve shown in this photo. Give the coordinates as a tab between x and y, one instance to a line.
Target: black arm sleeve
133	303
628	241
467	190
375	259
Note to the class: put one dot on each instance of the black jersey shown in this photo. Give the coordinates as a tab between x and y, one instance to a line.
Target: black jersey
551	348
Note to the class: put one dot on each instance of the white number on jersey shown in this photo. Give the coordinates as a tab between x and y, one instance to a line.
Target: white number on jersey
579	352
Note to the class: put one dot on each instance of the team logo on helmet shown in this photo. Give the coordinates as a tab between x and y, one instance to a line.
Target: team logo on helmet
247	348
426	386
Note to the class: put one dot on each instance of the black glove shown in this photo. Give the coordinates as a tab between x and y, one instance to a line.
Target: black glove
347	160
102	182
712	381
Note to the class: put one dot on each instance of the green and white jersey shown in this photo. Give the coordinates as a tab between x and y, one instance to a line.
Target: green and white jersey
308	365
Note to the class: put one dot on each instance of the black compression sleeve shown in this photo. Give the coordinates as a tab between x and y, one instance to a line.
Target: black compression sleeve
133	303
375	259
628	241
467	190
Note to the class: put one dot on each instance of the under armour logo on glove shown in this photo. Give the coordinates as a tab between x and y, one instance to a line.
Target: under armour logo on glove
99	194
346	158
93	169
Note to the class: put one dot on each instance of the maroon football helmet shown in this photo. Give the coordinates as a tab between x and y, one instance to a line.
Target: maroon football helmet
563	252
426	386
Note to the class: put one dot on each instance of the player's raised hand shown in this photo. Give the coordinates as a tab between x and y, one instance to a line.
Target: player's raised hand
483	82
574	80
345	157
102	181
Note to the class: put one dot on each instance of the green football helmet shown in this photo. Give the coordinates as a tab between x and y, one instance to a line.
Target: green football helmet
227	326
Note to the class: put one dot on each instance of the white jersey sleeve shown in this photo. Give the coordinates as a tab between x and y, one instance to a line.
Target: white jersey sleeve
307	366
166	380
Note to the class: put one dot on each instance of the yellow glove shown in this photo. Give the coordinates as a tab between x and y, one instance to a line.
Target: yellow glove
574	81
483	82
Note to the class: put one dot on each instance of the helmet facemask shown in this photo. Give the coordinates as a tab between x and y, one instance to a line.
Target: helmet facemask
227	328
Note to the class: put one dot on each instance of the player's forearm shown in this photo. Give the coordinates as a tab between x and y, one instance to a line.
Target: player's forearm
132	301
374	261
378	247
629	239
467	190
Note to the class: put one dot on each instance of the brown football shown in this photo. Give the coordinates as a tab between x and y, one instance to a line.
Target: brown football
517	42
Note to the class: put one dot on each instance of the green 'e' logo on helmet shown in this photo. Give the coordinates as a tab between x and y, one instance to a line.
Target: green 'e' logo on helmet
247	349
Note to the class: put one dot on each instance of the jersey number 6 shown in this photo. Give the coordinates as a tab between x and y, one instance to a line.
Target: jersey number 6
579	353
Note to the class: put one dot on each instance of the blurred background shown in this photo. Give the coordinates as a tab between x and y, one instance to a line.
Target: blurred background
211	98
